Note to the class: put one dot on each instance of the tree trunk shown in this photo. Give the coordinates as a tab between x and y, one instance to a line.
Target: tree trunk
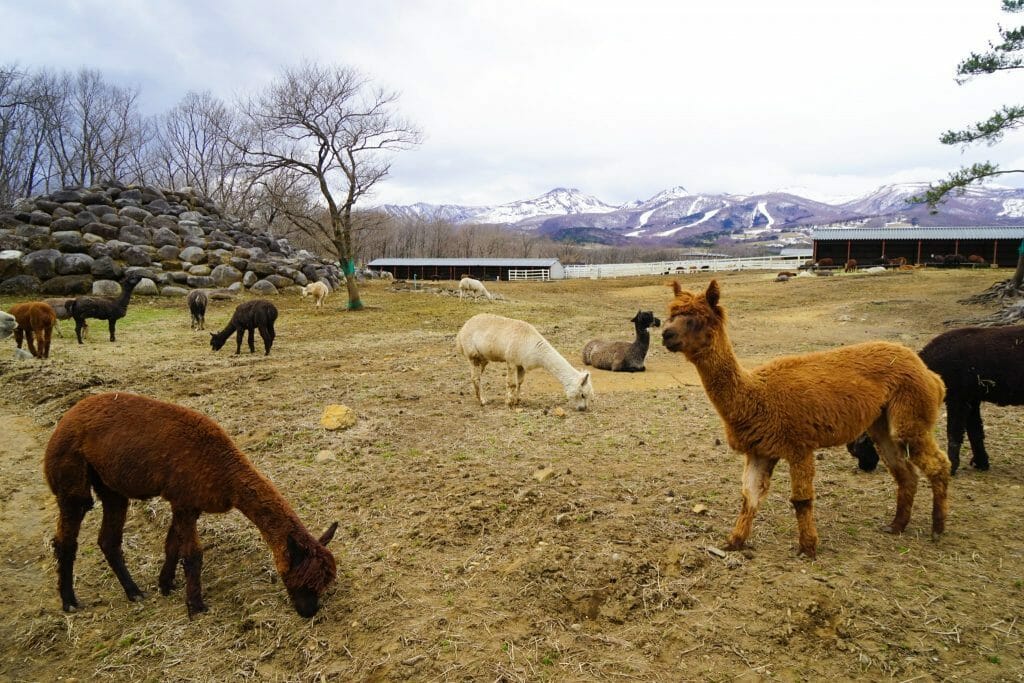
1018	275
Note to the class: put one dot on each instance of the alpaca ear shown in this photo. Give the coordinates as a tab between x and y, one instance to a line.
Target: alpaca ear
676	288
329	534
712	294
296	552
586	379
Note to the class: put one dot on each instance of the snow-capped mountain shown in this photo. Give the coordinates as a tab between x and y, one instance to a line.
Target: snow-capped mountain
676	216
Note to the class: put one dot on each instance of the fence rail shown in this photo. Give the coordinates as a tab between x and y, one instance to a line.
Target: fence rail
600	270
537	274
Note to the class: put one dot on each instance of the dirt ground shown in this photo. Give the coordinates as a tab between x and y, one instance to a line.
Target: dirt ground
488	544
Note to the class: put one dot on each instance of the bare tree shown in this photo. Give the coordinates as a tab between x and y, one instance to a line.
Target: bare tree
331	127
22	135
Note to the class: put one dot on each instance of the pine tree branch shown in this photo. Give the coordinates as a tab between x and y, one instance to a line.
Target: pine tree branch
959	181
991	130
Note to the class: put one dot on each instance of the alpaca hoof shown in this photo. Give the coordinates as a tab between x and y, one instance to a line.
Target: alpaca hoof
732	544
70	606
198	608
981	465
892	529
811	552
137	597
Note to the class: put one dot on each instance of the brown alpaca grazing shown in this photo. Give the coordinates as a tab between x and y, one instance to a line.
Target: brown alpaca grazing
125	446
786	408
851	266
35	323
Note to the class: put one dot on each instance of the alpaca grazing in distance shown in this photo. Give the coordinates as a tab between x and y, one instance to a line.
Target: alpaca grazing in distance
102	308
248	317
197	301
786	408
978	365
129	447
319	291
472	286
35	325
620	356
486	338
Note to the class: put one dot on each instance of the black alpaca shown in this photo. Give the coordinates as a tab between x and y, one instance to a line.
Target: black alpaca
197	301
978	364
102	308
619	356
258	313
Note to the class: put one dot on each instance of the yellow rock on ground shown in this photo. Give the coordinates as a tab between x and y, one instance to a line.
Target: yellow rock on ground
337	417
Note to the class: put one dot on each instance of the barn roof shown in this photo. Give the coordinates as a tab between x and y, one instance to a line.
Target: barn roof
915	233
499	262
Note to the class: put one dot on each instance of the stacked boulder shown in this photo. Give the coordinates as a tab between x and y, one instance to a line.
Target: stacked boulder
85	240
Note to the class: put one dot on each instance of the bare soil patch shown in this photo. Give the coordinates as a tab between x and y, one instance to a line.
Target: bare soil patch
489	544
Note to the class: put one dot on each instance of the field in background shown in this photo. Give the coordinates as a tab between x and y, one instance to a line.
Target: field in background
489	544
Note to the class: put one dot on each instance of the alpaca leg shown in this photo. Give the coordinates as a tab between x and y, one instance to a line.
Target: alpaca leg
19	336
238	340
267	334
976	434
192	559
902	471
801	479
757	477
65	544
79	324
476	370
933	463
252	340
30	337
47	338
113	326
115	510
172	552
957	417
511	392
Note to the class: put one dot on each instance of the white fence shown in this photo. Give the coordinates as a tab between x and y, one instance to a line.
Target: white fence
538	274
601	270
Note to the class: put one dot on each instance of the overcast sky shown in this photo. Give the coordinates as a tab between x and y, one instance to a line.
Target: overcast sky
618	99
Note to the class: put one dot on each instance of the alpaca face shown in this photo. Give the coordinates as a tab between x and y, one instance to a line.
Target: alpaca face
694	319
646	319
305	292
863	448
216	343
582	393
311	571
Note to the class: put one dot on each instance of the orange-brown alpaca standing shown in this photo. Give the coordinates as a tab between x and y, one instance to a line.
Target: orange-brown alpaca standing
35	323
125	446
785	409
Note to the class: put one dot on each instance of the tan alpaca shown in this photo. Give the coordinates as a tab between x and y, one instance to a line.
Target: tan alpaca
786	408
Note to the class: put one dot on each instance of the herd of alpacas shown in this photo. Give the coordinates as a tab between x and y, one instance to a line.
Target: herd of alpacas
881	399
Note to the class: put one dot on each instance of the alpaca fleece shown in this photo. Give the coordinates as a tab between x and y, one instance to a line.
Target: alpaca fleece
123	446
786	408
35	324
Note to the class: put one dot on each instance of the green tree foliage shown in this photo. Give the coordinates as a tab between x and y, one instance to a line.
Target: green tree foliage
1006	55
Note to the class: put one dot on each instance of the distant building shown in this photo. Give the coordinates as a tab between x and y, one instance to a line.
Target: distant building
479	268
997	245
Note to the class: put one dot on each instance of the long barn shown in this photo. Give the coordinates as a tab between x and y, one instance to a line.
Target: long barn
479	268
997	245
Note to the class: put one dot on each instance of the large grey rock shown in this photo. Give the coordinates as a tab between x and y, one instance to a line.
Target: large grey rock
20	284
64	223
180	276
107	232
115	220
74	264
194	216
161	221
10	263
95	198
136	234
39	217
193	255
30	231
263	287
165	236
147	287
225	275
172	290
250	278
132	194
84	218
279	281
67	284
106	268
187	229
168	252
136	213
199	269
102	210
199	281
66	195
68	241
106	288
41	264
137	255
261	268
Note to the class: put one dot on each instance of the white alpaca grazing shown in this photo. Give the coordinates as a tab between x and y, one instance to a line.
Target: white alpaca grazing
474	287
7	325
319	292
485	338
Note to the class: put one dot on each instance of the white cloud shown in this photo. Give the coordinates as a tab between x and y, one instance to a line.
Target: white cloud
618	99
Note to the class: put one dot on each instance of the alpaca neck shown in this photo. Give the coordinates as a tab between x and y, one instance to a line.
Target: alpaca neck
256	498
126	295
557	365
727	384
643	339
